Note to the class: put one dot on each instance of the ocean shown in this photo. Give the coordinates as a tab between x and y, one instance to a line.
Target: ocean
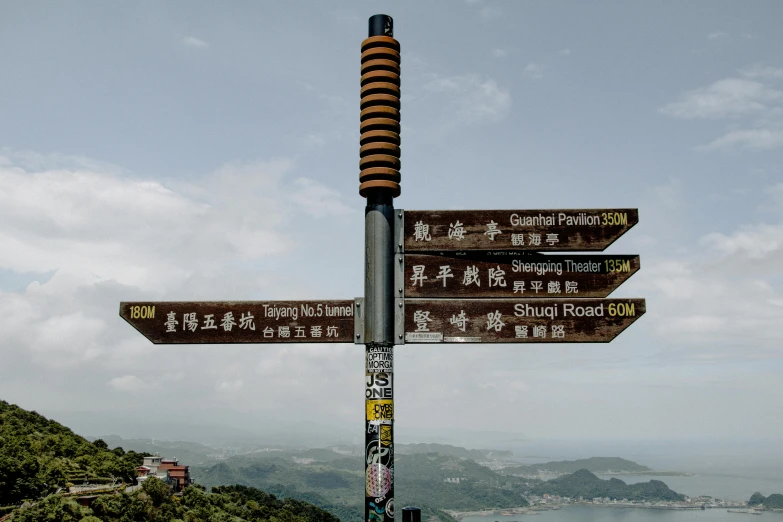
721	471
739	485
603	514
724	487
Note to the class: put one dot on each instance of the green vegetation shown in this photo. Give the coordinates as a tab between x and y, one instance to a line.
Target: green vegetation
593	464
774	501
422	482
154	502
38	456
335	483
586	485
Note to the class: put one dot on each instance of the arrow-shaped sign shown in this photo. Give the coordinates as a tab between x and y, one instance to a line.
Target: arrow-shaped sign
518	320
222	322
532	230
530	276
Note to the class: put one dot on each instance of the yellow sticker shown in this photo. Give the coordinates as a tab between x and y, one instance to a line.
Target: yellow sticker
386	434
379	410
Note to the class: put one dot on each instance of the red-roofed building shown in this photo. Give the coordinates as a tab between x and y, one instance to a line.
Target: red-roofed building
167	470
180	475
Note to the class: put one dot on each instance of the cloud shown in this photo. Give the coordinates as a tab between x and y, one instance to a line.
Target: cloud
749	243
499	53
714	305
564	52
230	385
533	71
753	99
718	35
106	236
467	99
138	231
317	200
195	43
757	139
728	98
128	383
728	297
103	233
761	71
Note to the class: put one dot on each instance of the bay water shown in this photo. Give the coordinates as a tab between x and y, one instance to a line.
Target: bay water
613	514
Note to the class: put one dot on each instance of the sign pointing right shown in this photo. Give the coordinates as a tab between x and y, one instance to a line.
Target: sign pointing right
526	275
518	320
536	230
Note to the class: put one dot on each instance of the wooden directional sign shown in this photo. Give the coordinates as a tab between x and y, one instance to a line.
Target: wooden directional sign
529	275
532	230
518	320
222	322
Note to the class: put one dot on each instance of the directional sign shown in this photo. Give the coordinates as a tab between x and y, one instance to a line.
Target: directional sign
222	322
532	230
529	275
518	320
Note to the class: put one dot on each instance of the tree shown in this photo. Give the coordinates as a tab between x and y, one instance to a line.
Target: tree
54	509
157	490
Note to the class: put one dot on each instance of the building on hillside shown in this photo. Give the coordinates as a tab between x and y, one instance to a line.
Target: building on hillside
179	474
167	470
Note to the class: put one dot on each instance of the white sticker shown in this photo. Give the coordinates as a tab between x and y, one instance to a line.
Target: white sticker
424	337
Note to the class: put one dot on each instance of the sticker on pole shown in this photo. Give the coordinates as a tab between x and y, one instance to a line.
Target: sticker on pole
378	480
380	359
379	410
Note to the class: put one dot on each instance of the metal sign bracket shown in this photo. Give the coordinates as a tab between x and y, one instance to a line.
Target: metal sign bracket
399	277
399	321
358	320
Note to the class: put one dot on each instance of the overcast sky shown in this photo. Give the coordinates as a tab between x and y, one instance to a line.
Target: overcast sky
190	151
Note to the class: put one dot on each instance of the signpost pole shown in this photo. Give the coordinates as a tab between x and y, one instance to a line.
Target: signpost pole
525	296
379	177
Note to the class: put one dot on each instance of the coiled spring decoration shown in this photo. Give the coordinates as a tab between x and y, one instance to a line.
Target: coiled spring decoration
379	153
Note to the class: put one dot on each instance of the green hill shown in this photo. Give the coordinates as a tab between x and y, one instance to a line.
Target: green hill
593	464
38	456
774	501
333	485
586	485
156	503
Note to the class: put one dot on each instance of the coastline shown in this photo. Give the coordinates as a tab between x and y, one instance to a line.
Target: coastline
522	510
537	508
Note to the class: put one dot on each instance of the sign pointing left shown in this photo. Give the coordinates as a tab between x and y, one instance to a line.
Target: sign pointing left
224	322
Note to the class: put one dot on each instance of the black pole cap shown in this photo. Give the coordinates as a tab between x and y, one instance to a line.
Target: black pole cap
381	25
411	514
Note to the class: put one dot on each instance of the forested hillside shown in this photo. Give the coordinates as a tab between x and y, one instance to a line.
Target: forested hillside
38	456
333	483
586	485
593	464
774	501
155	503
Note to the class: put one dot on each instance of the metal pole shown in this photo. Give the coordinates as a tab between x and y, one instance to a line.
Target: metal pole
379	164
411	514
